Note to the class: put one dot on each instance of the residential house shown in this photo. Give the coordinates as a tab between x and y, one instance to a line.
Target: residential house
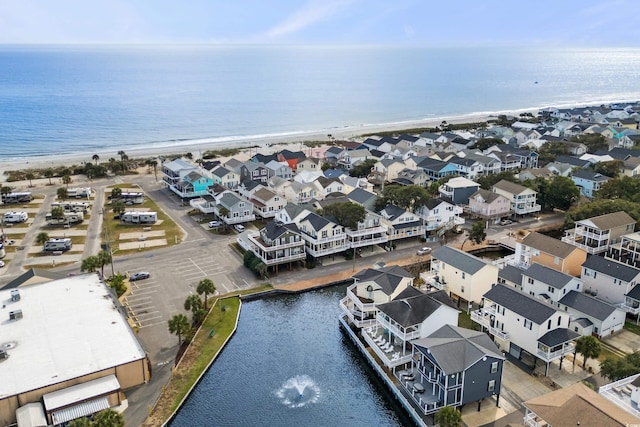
592	316
363	197
506	161
248	188
264	158
301	192
627	251
225	177
411	315
352	182
192	184
400	223
488	205
607	279
527	158
547	283
370	231
595	235
459	189
372	287
439	214
631	166
455	367
279	169
233	165
577	405
278	243
175	170
488	164
588	181
550	252
412	177
291	158
464	276
385	144
560	169
523	324
350	158
254	171
266	203
436	169
531	174
326	186
291	214
386	170
523	199
234	209
309	164
322	236
467	167
511	275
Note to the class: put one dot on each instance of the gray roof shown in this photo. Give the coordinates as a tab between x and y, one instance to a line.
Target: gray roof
509	187
220	171
634	293
558	336
588	305
527	306
318	222
392	211
488	196
610	220
583	321
361	196
548	244
547	275
511	274
273	230
388	278
410	311
621	271
229	200
456	349
590	175
459	259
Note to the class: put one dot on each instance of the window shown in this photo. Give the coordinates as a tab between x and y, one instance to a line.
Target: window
462	288
463	276
556	260
530	281
528	324
492	385
559	319
549	324
551	289
494	367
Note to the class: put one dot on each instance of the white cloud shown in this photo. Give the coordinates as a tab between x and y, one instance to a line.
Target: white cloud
313	12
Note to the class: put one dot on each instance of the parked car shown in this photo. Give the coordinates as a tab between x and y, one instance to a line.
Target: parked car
506	222
215	224
239	228
139	276
424	250
1	264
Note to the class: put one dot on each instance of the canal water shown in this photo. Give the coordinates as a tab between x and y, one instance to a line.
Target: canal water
290	365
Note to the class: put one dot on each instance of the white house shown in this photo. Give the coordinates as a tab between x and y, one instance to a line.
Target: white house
401	224
322	237
548	284
523	199
609	280
266	203
589	315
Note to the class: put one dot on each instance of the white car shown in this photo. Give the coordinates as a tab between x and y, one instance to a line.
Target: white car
423	251
215	224
239	228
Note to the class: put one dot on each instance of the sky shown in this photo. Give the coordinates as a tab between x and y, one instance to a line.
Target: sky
581	23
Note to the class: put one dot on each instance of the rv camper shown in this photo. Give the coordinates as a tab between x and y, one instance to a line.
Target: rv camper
72	206
79	193
139	217
68	218
15	217
130	198
24	197
63	244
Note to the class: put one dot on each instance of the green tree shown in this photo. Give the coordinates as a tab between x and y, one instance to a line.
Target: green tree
154	165
66	179
325	166
118	207
95	158
363	169
561	193
193	303
601	207
103	258
348	214
57	212
4	190
49	174
223	213
589	347
30	176
80	422
117	282
108	418
116	193
484	143
616	369
612	169
63	193
123	158
89	264
42	238
206	287
624	187
448	416
488	181
409	197
550	150
594	141
477	233
179	326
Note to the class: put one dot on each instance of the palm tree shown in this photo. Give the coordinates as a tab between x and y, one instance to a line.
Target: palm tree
89	264
49	174
62	193
206	287
103	259
95	158
448	416
589	347
66	179
116	192
123	157
57	212
179	325
80	422
223	213
42	238
30	176
108	418
154	165
193	303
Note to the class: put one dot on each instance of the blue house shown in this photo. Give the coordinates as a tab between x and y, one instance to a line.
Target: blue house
588	181
193	184
437	169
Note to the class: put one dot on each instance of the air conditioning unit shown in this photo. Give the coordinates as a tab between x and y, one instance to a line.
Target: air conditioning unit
15	295
15	315
3	354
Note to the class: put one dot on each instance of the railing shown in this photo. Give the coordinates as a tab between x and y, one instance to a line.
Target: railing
319	240
364	307
399	332
261	245
351	314
281	259
592	235
327	251
629	308
368	242
365	231
548	356
531	420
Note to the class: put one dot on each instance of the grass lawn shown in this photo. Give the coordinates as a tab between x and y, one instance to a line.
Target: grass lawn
632	327
464	321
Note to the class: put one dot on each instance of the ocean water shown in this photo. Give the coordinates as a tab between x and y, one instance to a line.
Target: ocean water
75	99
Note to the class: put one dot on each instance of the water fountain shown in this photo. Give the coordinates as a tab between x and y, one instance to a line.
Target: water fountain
298	391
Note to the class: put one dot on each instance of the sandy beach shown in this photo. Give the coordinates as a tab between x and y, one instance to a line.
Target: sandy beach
265	144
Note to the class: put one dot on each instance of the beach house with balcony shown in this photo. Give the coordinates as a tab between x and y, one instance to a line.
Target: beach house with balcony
459	189
411	315
234	209
439	214
193	184
401	224
435	169
277	244
627	251
322	236
548	284
175	170
371	231
291	158
525	326
348	159
309	164
279	169
545	250
267	203
523	200
464	276
373	286
592	316
588	181
254	171
453	367
226	177
488	205
595	235
609	280
301	192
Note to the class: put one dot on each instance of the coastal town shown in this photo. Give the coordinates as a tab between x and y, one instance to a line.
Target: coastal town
538	335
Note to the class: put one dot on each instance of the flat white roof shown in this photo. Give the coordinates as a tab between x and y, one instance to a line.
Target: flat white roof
70	328
461	182
78	393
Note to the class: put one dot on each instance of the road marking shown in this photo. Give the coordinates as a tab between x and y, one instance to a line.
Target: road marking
153	324
245	282
197	266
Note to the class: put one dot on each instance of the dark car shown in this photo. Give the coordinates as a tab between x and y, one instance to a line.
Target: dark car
139	276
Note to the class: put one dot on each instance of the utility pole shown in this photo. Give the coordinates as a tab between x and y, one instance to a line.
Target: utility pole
108	242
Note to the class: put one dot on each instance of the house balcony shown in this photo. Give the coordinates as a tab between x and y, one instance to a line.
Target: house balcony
431	279
357	301
235	219
631	307
380	229
359	318
532	420
526	208
382	344
187	192
483	318
446	191
256	240
404	334
318	241
591	245
316	253
203	205
280	259
367	240
549	355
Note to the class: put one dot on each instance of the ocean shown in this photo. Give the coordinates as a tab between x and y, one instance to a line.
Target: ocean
86	98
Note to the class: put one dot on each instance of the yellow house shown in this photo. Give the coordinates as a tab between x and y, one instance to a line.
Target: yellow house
550	252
